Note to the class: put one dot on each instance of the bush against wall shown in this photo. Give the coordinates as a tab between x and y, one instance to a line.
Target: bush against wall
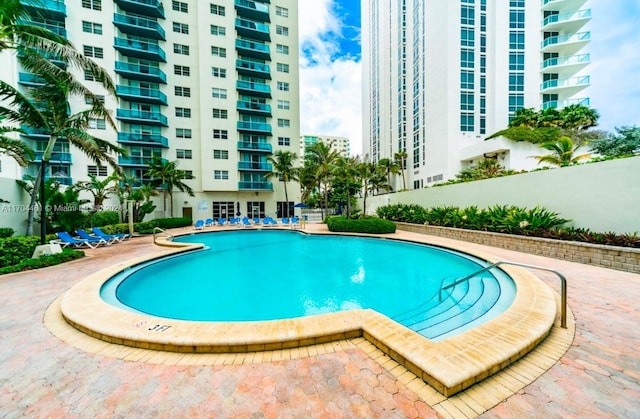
369	225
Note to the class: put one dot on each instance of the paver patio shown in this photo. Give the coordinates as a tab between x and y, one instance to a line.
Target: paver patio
43	376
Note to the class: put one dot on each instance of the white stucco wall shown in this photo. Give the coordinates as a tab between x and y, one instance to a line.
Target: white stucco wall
601	196
14	212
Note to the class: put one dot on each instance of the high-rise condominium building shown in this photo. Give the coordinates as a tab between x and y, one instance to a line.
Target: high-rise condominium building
339	144
441	76
211	84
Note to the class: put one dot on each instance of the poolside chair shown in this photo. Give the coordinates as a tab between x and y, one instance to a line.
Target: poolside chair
118	236
86	236
208	222
246	223
199	225
65	239
234	221
295	222
284	221
256	221
222	221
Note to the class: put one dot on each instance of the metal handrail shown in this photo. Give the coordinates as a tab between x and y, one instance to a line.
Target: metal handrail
563	284
158	229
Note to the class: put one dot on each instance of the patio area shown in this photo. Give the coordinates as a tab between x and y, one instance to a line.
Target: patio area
68	374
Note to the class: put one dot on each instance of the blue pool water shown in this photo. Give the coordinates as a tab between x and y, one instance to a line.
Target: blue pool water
265	275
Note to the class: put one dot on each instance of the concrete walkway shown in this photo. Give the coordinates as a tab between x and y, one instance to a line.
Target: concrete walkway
42	376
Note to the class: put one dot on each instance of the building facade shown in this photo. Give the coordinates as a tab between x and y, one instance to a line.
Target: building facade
441	76
212	85
340	144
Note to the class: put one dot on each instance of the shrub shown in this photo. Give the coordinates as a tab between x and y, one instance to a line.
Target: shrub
6	232
165	223
103	218
13	250
369	225
44	261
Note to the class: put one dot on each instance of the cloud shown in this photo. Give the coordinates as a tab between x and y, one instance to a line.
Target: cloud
330	82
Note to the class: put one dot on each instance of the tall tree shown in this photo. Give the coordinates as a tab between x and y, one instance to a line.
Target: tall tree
390	167
563	153
401	159
322	157
283	167
167	176
13	148
346	181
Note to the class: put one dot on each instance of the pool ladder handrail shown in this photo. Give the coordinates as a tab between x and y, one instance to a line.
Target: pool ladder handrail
563	284
161	231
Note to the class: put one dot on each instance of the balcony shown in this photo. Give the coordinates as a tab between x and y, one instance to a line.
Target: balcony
566	65
567	87
570	22
253	89
254	166
140	139
133	116
255	147
254	127
252	10
253	49
56	157
559	104
136	161
566	44
253	30
252	108
50	8
36	134
31	80
562	5
60	30
141	72
139	26
145	50
255	186
151	8
62	180
253	69
137	94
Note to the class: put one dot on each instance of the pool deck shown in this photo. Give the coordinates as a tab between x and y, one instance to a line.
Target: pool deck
42	375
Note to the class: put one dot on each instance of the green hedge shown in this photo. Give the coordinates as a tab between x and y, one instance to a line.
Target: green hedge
6	232
103	218
369	225
43	261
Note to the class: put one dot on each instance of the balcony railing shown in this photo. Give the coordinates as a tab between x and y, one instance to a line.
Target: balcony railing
253	69
250	146
136	161
138	94
252	10
253	88
253	108
567	17
566	39
255	166
253	49
56	157
580	60
60	30
52	7
581	81
145	50
151	8
251	29
29	79
255	186
135	138
139	26
140	72
564	103
144	117
254	127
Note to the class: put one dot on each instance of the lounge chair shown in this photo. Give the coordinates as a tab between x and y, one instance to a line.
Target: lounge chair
65	239
256	221
234	221
86	236
119	236
222	221
209	222
199	225
295	222
284	221
246	223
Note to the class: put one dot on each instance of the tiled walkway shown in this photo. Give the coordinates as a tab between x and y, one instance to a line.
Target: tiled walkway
42	376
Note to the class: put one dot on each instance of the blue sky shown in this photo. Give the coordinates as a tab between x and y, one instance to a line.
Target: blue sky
330	74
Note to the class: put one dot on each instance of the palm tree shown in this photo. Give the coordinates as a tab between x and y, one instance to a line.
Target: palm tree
563	152
282	162
401	160
322	158
367	172
15	149
390	167
167	175
347	181
99	189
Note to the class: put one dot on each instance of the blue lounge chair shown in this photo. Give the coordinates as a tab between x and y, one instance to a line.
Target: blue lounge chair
119	236
65	239
86	236
208	222
284	221
256	221
199	225
295	222
246	223
234	221
222	221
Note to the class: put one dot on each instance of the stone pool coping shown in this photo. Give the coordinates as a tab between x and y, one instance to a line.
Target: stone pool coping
449	366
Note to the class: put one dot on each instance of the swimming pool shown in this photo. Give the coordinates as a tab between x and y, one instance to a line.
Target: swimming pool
278	274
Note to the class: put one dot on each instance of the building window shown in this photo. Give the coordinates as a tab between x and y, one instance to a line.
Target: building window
466	122
467	101
183	112
220	134
181	49
284	141
180	6
221	154
516	19
283	68
516	40
97	123
89	99
92	4
219	93
181	28
468	15
284	123
220	113
183	154
283	86
182	91
284	104
516	82
181	70
282	11
218	52
221	174
467	37
97	170
90	27
282	30
216	10
187	175
282	49
516	61
183	132
219	72
218	30
93	52
467	80
467	58
88	75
